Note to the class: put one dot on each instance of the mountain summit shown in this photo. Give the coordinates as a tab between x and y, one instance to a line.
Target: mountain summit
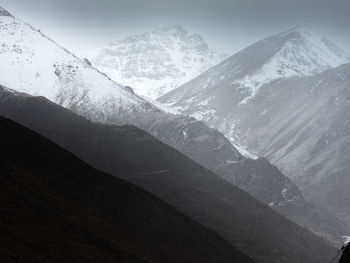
156	62
217	95
285	98
33	63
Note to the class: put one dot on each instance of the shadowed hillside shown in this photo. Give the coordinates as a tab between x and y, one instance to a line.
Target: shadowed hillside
56	208
126	151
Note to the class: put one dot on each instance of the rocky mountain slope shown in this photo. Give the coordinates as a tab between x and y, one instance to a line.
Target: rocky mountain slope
156	62
305	132
206	146
130	153
270	98
218	95
55	208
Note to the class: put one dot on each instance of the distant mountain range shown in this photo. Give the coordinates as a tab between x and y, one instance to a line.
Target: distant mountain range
84	90
155	62
219	95
225	97
284	98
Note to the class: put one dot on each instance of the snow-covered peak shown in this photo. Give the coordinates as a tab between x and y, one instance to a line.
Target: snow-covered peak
301	53
327	52
32	63
155	62
4	12
218	95
293	53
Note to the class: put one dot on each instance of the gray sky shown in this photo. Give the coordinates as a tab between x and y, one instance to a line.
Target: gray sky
227	25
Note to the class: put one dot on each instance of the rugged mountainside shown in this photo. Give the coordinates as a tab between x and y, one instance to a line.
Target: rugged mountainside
206	146
128	152
155	62
211	149
55	208
221	93
289	114
257	177
31	62
305	132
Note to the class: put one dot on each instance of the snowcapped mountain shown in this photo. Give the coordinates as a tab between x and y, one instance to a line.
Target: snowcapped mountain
218	95
156	62
32	63
283	99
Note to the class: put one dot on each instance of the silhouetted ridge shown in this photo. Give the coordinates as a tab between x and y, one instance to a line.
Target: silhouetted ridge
55	208
128	152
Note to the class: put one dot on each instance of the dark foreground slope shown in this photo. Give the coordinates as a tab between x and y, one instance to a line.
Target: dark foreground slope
126	151
55	208
345	258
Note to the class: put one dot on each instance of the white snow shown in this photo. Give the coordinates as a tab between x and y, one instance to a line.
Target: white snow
157	62
184	134
292	54
346	239
243	150
32	63
305	55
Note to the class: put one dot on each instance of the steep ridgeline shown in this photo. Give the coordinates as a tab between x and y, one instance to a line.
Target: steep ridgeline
220	95
31	62
130	153
298	122
91	94
257	177
156	62
55	208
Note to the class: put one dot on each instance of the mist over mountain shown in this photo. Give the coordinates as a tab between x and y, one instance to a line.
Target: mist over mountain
241	158
77	86
156	62
33	63
281	98
132	154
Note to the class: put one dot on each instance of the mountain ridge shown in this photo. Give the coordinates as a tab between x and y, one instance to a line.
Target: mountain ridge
193	138
56	208
140	159
54	72
214	94
155	62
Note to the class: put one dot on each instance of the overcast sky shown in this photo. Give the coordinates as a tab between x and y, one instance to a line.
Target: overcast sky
227	25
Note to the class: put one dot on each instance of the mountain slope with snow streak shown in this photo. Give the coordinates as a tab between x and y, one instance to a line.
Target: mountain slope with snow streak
219	95
32	63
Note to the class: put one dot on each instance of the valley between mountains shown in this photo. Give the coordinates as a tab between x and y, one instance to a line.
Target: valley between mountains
167	151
